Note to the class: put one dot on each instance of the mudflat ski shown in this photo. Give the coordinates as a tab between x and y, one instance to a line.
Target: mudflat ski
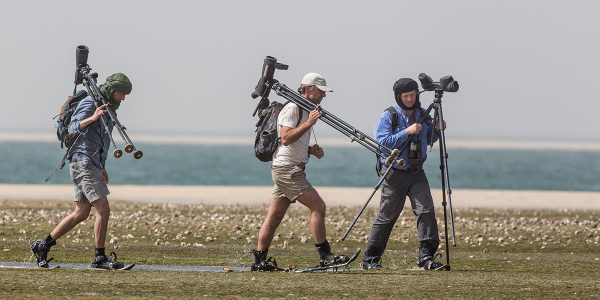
240	271
323	268
295	269
25	267
127	267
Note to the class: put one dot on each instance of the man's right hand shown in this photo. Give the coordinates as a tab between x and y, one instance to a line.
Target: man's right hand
93	118
414	129
99	112
313	117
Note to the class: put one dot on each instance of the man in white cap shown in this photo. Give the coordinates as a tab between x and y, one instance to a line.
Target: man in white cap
290	180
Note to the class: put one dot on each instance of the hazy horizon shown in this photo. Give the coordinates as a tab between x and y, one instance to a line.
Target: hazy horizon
325	141
526	68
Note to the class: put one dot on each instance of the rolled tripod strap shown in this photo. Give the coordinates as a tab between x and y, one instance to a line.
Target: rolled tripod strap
62	164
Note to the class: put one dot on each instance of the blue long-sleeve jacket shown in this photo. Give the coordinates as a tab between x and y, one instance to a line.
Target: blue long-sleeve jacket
93	142
393	138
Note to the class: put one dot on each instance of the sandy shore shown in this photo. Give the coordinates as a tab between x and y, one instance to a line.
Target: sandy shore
257	195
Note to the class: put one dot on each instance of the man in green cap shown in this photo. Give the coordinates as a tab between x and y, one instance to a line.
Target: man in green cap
87	158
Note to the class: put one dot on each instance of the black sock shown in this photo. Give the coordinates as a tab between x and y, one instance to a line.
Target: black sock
100	252
260	255
323	249
49	241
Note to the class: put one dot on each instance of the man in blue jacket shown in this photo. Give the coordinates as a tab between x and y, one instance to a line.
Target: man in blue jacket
408	180
87	159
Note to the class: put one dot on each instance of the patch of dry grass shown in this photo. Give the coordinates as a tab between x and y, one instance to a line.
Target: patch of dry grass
500	253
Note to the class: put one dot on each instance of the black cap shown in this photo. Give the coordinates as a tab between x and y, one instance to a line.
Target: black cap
404	85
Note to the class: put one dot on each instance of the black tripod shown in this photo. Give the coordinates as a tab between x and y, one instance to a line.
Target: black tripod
439	120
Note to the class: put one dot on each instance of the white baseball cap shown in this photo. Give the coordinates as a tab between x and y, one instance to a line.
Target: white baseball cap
316	80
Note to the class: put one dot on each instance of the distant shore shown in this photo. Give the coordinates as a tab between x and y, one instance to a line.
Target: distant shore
333	196
338	141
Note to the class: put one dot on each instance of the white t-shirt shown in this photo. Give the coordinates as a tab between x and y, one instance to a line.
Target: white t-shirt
297	152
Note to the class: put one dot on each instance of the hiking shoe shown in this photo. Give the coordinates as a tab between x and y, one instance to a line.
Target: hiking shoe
430	263
334	259
371	264
268	265
40	250
106	262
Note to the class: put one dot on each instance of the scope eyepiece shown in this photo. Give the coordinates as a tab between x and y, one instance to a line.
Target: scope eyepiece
426	82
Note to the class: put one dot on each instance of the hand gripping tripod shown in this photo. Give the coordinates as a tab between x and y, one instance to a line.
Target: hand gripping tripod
83	76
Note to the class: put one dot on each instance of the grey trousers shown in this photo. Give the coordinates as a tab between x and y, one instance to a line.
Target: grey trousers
393	196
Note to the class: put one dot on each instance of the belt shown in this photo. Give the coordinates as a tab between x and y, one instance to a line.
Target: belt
75	157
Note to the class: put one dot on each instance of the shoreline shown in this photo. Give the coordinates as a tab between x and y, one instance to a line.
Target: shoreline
336	141
333	196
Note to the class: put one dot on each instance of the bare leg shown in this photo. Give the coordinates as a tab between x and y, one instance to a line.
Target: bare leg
277	209
81	213
100	228
315	203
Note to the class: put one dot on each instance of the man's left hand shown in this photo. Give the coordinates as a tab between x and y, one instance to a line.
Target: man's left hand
437	126
317	151
105	175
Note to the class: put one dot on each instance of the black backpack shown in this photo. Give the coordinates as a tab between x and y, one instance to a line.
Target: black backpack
394	115
267	141
62	128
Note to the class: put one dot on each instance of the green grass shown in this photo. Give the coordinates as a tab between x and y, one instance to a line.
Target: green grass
499	254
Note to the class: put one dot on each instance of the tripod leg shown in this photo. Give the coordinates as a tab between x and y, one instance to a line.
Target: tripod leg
439	120
383	177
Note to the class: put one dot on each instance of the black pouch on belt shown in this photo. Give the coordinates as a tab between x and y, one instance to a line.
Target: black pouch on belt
415	156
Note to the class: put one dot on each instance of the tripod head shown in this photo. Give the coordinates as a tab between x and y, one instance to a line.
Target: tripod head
446	83
266	81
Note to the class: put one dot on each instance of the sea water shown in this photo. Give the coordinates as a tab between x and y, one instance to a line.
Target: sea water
172	164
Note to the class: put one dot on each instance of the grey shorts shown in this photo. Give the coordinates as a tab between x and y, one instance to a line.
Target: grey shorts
88	180
290	182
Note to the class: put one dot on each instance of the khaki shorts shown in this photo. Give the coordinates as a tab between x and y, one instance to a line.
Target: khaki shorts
290	182
88	180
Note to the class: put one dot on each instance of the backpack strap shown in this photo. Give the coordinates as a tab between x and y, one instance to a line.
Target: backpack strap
394	115
62	164
299	115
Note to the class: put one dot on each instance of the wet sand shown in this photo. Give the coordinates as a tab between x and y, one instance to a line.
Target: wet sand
258	195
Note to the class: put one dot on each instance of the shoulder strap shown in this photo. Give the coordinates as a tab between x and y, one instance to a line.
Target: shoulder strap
299	115
394	115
